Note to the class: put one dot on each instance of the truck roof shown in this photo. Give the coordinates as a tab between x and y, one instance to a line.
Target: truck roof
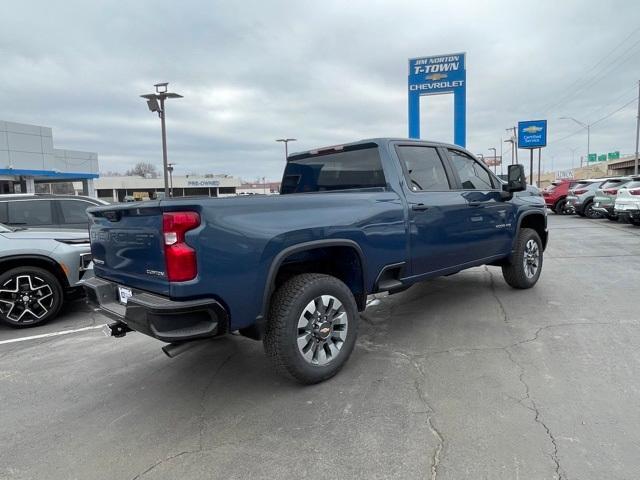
378	141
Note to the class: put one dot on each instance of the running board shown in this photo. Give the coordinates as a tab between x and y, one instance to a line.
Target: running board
389	284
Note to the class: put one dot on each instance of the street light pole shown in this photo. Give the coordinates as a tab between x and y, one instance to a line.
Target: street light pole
155	102
587	127
286	146
635	168
170	169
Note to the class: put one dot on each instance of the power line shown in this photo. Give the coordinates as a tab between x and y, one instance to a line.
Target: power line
615	111
597	121
580	81
618	98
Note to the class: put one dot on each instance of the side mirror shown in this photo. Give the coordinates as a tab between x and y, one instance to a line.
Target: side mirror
516	180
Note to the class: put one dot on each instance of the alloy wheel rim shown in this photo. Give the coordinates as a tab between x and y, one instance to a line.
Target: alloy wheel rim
322	330
25	298
531	258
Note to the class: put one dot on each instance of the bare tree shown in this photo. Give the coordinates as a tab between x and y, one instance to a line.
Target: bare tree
143	169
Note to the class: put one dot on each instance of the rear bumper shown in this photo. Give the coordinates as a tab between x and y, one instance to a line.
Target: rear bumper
627	212
159	317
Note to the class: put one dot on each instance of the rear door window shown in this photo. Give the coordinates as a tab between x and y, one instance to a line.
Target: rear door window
74	211
472	175
613	184
30	212
424	168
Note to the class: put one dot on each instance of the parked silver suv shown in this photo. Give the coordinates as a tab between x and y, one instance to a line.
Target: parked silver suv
38	270
580	197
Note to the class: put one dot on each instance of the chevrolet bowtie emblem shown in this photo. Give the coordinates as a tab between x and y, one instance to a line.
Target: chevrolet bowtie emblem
436	76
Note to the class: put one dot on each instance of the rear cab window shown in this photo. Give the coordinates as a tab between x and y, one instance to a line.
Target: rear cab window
339	168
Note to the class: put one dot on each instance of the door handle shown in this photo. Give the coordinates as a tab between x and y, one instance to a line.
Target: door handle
419	207
475	204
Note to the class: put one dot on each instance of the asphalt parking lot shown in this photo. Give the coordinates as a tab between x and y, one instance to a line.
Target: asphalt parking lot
461	377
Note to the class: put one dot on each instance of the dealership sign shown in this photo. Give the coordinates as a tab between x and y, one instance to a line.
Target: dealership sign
532	134
493	161
203	183
441	74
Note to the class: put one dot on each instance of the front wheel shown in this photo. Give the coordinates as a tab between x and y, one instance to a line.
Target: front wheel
525	265
312	327
29	296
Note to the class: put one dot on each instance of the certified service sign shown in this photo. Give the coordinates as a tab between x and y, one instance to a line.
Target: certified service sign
532	134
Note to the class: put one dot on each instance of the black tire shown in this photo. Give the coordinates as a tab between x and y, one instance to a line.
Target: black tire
515	273
289	304
635	221
589	212
37	299
560	207
613	218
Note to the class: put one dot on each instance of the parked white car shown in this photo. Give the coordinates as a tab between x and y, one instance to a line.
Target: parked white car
627	205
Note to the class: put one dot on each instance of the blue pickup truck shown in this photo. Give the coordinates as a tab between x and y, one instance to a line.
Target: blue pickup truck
295	269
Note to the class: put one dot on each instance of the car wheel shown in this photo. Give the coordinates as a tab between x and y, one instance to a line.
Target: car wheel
589	212
560	207
613	218
312	327
635	221
29	296
525	265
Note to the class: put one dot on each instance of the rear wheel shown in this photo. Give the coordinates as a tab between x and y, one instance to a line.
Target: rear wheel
525	265
561	206
312	327
590	212
29	296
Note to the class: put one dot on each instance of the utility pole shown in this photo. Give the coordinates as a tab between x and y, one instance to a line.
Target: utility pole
495	160
152	102
635	168
501	154
514	144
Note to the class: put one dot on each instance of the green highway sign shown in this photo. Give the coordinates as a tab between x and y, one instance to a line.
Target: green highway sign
593	157
613	155
602	158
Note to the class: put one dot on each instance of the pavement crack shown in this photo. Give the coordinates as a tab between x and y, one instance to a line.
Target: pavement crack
527	402
503	311
167	459
437	452
200	448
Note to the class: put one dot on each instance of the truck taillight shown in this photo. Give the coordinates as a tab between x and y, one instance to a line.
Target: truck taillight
635	191
579	192
180	258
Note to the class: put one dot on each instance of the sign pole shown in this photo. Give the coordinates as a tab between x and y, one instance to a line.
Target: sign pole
531	165
539	163
635	168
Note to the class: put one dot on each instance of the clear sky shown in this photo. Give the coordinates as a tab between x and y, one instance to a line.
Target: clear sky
324	72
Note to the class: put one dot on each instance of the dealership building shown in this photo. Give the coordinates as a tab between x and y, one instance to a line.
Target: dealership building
121	188
28	160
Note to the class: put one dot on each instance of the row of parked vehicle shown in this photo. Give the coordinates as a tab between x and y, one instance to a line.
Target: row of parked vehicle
615	198
44	253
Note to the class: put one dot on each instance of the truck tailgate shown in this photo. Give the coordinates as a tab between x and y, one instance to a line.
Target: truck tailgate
127	245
